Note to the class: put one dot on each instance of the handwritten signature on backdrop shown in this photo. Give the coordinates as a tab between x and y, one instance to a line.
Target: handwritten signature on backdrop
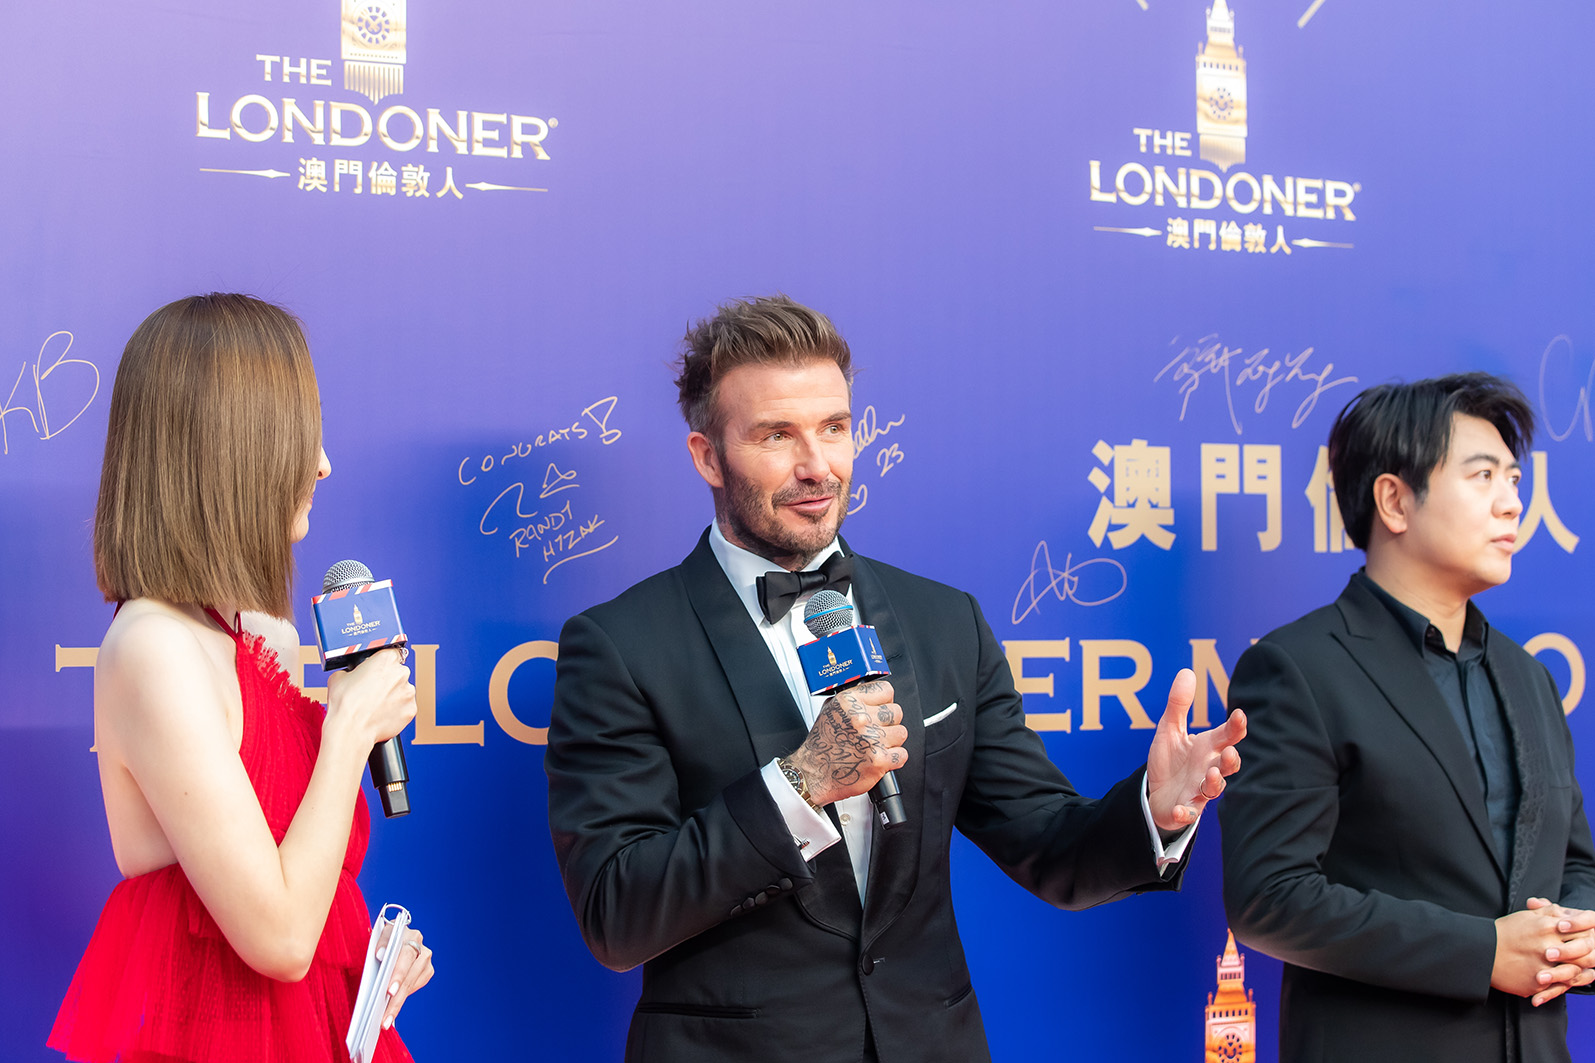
1210	357
888	456
54	388
551	533
1108	581
1560	352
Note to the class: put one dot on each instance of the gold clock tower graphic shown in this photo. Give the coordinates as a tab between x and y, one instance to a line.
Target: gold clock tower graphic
374	47
1231	1011
1221	92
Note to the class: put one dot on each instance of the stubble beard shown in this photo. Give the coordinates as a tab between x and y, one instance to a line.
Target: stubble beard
753	520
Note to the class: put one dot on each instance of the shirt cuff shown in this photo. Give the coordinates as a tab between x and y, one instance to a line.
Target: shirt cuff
811	831
1166	855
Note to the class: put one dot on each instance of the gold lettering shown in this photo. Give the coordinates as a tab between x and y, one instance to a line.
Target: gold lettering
416	128
338	111
1097	195
202	119
1094	688
1236	205
1339	194
291	115
1550	640
1163	184
238	118
1146	184
1271	193
78	657
455	133
498	690
1307	189
520	138
1197	201
1017	652
1209	669
318	71
480	134
428	732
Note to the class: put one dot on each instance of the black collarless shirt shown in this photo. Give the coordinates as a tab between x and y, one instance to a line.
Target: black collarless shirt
1468	690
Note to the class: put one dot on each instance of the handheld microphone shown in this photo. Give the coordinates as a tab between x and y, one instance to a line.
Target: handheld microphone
843	655
356	617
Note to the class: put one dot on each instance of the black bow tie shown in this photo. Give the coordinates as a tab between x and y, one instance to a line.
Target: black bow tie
780	590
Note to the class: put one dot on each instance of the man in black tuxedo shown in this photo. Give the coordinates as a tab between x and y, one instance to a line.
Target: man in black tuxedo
1407	834
709	814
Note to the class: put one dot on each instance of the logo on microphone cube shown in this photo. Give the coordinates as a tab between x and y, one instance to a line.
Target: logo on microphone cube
831	663
352	620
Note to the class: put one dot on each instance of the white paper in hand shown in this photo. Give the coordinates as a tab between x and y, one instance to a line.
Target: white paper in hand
365	1025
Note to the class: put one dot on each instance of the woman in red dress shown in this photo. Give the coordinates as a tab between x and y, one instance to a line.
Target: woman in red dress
234	803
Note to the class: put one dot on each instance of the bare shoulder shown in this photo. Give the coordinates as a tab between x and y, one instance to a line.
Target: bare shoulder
154	656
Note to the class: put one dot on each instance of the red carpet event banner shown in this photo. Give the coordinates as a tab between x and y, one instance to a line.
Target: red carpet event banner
1109	270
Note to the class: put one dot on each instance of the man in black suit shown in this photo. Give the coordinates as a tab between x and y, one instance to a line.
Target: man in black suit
1407	834
709	814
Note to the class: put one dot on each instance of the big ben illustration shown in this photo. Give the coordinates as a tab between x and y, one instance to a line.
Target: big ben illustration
1231	1011
1221	91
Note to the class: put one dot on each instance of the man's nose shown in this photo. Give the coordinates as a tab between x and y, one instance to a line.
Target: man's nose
812	463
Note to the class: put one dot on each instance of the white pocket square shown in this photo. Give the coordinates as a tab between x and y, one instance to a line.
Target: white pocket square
942	715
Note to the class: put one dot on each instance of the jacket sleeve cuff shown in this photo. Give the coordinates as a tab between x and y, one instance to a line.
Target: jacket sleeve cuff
811	831
1165	855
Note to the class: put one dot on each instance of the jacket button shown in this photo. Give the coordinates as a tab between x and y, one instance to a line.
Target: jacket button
747	905
772	890
760	898
785	883
868	965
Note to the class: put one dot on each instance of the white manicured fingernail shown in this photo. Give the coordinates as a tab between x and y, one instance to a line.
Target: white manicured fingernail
382	952
387	1023
392	989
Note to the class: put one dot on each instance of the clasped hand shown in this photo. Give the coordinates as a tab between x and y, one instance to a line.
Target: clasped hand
1543	951
1185	771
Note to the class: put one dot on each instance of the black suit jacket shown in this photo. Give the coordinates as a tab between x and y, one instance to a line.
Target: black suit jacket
1357	848
667	703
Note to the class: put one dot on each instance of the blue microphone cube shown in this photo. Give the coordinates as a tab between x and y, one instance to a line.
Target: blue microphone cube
840	658
355	620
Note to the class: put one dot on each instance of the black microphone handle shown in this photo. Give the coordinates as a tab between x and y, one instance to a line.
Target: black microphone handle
888	800
389	773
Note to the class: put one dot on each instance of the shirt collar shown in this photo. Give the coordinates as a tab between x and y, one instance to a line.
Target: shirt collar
744	567
1417	626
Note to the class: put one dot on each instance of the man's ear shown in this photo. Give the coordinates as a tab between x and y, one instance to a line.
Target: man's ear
706	459
1393	502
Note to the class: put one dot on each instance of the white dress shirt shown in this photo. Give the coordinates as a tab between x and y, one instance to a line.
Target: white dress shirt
813	832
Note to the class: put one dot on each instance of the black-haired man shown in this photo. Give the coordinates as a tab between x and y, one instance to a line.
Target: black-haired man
1407	834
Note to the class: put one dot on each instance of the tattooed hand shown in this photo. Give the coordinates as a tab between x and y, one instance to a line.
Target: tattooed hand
858	738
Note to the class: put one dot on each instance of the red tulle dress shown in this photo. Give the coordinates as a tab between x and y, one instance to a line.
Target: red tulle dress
160	984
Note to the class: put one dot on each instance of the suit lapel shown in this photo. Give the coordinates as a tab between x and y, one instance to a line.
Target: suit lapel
1514	688
1384	651
894	856
775	726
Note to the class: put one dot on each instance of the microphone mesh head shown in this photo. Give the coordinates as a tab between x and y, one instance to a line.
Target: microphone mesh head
344	574
827	613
